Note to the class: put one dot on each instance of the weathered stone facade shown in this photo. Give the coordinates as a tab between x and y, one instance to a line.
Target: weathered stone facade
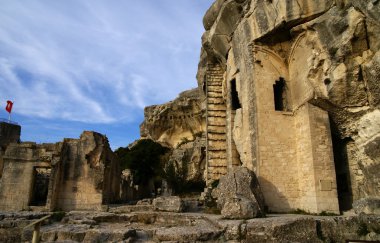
76	174
292	91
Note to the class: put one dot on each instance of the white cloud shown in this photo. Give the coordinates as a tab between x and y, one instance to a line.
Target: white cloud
97	61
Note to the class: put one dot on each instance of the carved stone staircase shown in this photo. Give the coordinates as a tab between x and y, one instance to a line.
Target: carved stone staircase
216	124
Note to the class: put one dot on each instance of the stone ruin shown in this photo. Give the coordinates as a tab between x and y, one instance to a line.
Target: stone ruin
291	90
286	118
76	174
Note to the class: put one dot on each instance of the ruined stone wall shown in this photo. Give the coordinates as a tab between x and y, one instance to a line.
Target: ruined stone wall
328	54
86	176
9	133
83	174
16	185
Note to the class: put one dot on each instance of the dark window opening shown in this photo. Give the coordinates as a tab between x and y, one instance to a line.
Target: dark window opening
235	103
41	177
279	95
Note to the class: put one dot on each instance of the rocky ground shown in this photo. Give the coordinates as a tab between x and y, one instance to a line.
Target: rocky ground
141	223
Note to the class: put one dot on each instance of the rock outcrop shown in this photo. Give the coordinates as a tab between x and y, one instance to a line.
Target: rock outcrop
176	121
367	206
193	155
76	174
180	125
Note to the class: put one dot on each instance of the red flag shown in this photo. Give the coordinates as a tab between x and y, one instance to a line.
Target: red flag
9	106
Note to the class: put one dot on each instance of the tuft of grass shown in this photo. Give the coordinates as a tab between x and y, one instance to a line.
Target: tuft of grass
324	213
300	211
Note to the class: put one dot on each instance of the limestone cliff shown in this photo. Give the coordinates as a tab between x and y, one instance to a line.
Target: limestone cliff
327	55
180	124
176	121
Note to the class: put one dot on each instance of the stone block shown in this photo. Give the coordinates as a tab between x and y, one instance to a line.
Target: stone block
239	208
168	204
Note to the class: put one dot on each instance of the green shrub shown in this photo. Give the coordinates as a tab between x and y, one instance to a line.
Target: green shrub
143	159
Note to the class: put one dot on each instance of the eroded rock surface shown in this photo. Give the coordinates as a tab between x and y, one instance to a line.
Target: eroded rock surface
367	206
175	121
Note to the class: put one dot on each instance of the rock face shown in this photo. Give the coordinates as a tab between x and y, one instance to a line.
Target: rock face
292	89
367	206
175	121
193	155
239	195
76	174
180	125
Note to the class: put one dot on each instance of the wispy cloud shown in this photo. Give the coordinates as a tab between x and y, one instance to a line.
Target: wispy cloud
97	61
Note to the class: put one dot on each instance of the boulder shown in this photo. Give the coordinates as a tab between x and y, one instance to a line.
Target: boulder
367	206
239	195
168	204
239	208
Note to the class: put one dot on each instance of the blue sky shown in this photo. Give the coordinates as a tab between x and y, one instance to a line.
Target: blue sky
79	65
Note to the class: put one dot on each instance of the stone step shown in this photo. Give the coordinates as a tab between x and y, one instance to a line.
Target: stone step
214	89
215	107
215	72
216	121
131	208
217	144
220	170
215	83
216	129
141	227
217	154
215	101
216	136
217	162
215	95
216	113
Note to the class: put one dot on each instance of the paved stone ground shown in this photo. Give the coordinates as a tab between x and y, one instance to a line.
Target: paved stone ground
150	226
